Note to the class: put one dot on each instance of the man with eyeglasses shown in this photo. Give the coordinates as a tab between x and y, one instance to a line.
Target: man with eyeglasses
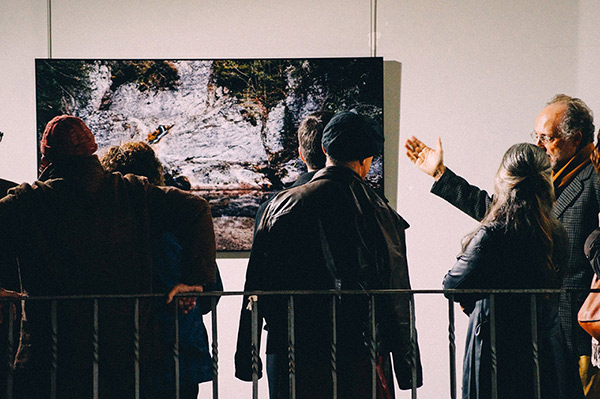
565	130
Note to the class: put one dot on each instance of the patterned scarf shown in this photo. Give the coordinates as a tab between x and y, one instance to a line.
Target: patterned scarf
563	177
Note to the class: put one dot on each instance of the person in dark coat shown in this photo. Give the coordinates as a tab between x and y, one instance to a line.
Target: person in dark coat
335	232
519	245
195	361
592	252
310	132
80	230
564	129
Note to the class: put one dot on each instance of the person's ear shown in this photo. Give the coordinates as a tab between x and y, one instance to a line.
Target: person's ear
577	137
323	148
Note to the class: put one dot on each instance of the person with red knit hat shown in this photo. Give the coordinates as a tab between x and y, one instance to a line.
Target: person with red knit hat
79	230
67	135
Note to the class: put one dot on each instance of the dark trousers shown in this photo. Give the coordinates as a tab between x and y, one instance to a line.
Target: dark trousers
314	378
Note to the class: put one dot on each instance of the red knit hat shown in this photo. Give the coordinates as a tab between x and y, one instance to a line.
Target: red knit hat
67	136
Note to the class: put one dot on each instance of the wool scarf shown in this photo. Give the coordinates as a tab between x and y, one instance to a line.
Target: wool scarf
567	173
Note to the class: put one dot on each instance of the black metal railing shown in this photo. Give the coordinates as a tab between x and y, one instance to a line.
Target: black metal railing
11	331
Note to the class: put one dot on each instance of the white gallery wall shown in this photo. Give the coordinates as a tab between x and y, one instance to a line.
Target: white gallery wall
474	72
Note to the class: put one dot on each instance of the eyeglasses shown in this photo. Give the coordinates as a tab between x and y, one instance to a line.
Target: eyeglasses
542	138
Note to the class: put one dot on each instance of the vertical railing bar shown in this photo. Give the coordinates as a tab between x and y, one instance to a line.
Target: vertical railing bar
372	347
413	341
334	382
136	346
54	363
452	346
176	348
96	355
534	348
254	348
10	349
215	348
493	353
291	348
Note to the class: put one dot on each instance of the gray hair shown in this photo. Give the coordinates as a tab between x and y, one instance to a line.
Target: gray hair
577	118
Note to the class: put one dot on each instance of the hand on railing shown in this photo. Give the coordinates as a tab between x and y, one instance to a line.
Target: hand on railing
251	300
188	303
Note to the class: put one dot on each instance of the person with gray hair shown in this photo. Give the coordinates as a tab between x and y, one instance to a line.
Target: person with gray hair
564	130
518	245
577	118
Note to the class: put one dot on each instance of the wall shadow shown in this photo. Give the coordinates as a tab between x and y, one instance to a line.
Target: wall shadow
392	75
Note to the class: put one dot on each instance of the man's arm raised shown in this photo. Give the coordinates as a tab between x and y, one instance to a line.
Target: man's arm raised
457	191
429	160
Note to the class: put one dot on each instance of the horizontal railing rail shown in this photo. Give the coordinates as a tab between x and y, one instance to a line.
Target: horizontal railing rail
309	292
292	296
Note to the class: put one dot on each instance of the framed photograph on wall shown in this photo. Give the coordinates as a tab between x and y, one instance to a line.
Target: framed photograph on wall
223	128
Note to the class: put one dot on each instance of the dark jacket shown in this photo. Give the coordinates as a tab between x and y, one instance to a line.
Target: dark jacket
5	185
195	361
334	232
84	231
495	259
577	209
243	355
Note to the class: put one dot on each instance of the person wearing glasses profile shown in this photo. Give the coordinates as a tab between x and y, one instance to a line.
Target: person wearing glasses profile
564	129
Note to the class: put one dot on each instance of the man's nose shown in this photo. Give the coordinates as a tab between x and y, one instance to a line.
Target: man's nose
539	143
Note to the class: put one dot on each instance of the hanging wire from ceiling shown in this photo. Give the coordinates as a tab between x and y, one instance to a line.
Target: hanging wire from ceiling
49	28
373	28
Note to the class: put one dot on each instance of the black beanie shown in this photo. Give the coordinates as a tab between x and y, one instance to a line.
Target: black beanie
352	137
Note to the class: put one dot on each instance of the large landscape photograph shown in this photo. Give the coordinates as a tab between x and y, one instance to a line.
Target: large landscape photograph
225	129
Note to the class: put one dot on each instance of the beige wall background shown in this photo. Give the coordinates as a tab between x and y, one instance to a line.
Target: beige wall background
474	72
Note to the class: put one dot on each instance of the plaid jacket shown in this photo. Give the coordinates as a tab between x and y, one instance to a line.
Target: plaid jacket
577	209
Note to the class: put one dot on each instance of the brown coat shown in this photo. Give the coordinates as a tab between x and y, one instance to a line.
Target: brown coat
83	231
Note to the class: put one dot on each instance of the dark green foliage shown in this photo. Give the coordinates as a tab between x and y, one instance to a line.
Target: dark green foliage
343	84
259	85
148	75
60	85
335	84
263	82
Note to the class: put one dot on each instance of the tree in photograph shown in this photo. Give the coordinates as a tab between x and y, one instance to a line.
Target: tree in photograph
60	86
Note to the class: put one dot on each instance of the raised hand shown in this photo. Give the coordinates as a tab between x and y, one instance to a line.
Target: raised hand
427	159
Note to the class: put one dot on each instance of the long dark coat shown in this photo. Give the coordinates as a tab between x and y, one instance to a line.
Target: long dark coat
495	259
577	208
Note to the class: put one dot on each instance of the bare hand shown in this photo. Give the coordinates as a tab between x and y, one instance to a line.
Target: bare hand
251	300
427	159
188	303
11	294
